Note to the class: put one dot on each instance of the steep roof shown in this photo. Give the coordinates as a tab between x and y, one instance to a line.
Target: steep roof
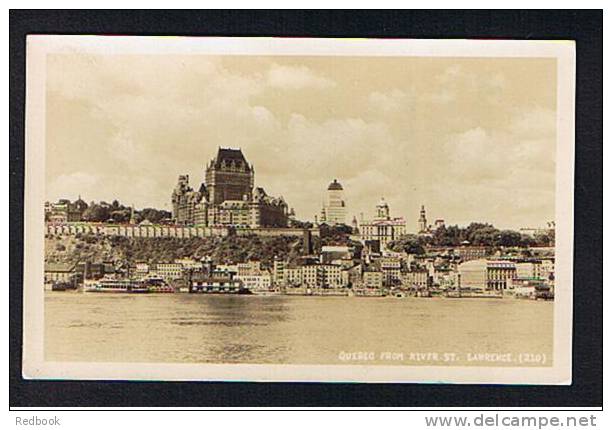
229	155
335	186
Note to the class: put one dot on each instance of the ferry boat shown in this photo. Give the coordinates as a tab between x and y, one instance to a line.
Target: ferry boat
116	285
157	284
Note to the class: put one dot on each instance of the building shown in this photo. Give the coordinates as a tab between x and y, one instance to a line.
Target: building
352	276
334	209
391	269
169	271
190	264
422	222
228	198
383	228
65	211
528	269
217	285
330	254
252	267
531	288
261	281
487	274
373	279
467	253
59	272
315	276
416	279
141	268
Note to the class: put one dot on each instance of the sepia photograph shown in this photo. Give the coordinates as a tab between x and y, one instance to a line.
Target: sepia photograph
270	209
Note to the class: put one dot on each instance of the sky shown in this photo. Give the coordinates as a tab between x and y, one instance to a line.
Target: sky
472	139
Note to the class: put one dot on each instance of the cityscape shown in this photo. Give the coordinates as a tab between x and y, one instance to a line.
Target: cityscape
228	236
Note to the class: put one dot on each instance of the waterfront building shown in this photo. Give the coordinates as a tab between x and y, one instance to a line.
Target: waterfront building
531	288
416	279
487	274
169	271
315	276
59	272
352	276
216	285
278	272
373	279
332	276
391	269
249	268
383	228
292	277
334	209
228	198
256	281
528	269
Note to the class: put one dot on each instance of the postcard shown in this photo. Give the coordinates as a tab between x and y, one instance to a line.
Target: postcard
271	209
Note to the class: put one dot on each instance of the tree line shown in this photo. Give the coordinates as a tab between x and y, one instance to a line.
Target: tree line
119	213
475	234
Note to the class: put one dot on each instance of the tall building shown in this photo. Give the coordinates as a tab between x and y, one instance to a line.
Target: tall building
185	199
229	177
334	208
422	223
383	228
228	196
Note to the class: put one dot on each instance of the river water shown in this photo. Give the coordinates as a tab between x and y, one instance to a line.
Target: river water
186	328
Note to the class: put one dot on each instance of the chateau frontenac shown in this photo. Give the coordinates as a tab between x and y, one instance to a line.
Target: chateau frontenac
228	197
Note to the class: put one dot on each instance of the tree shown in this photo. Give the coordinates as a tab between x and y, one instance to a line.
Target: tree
154	215
96	213
410	244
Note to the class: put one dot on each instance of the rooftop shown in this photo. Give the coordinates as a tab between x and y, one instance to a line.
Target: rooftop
230	155
335	186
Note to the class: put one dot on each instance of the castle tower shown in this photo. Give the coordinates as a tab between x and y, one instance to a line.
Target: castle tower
229	177
422	221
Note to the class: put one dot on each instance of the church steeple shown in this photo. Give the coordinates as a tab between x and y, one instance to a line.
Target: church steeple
422	220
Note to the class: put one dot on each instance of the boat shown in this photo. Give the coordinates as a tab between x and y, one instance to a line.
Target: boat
116	285
62	286
157	284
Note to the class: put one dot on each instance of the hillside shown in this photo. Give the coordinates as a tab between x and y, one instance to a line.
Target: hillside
97	249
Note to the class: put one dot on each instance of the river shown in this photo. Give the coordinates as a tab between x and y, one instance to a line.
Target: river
190	328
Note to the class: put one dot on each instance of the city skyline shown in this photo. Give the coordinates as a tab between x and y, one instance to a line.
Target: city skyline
307	120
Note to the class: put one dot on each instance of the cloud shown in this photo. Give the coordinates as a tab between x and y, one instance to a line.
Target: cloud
296	78
71	185
389	101
125	127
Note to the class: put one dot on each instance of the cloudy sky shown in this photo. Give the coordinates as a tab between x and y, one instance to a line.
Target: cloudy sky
471	139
